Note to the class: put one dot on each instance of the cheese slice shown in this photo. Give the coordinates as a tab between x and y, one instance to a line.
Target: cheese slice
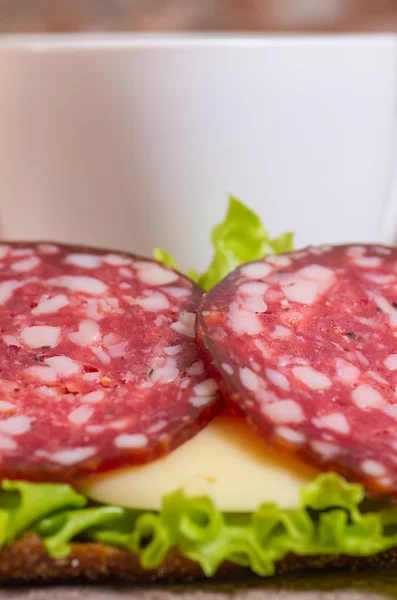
225	462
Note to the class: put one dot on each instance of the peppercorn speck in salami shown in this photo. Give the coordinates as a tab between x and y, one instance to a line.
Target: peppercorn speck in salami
305	345
99	364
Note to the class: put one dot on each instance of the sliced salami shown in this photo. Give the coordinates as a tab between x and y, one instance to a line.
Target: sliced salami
98	360
305	345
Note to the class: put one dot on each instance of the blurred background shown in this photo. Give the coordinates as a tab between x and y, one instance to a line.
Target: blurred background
302	128
22	16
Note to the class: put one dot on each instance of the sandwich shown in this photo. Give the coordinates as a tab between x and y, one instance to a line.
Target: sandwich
157	426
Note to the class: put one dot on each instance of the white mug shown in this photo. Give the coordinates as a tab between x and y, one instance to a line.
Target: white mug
134	141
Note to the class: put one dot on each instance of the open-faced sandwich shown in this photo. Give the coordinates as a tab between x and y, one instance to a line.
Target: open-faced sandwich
150	431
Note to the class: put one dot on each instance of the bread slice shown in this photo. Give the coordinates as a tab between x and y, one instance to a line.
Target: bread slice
27	561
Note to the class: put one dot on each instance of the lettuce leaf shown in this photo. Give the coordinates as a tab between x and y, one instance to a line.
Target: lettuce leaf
71	524
331	519
240	238
25	503
165	257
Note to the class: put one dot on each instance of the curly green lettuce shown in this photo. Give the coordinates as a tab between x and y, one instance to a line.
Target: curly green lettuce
240	238
331	519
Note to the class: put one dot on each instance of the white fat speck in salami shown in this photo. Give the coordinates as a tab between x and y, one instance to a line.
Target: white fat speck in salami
22	251
81	415
172	350
15	425
89	333
312	378
7	289
43	374
368	262
197	368
316	273
317	370
125	440
199	401
389	308
157	426
95	429
50	305
256	270
363	359
305	290
334	421
284	411
117	350
28	264
253	288
68	458
4	250
325	450
373	468
279	261
355	251
381	278
346	372
11	340
254	304
280	331
366	396
166	373
39	336
207	387
290	435
124	272
84	260
80	283
7	444
48	249
101	355
317	250
243	321
63	365
153	302
93	397
383	250
175	292
6	406
91	376
278	379
156	275
378	378
120	424
390	409
185	324
390	362
117	260
249	379
95	375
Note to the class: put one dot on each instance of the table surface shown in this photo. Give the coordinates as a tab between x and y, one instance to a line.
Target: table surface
304	586
197	15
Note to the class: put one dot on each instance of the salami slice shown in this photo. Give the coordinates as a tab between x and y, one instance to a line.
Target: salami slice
98	360
305	345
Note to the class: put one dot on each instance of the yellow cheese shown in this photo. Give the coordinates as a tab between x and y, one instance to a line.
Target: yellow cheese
225	461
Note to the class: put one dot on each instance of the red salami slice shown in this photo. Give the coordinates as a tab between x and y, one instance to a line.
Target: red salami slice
98	364
306	346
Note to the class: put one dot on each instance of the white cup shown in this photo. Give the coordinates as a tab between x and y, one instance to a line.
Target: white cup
135	141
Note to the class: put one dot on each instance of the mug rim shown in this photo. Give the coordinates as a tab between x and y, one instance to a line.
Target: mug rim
132	40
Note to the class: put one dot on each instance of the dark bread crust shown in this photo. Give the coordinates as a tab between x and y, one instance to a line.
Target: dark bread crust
27	561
